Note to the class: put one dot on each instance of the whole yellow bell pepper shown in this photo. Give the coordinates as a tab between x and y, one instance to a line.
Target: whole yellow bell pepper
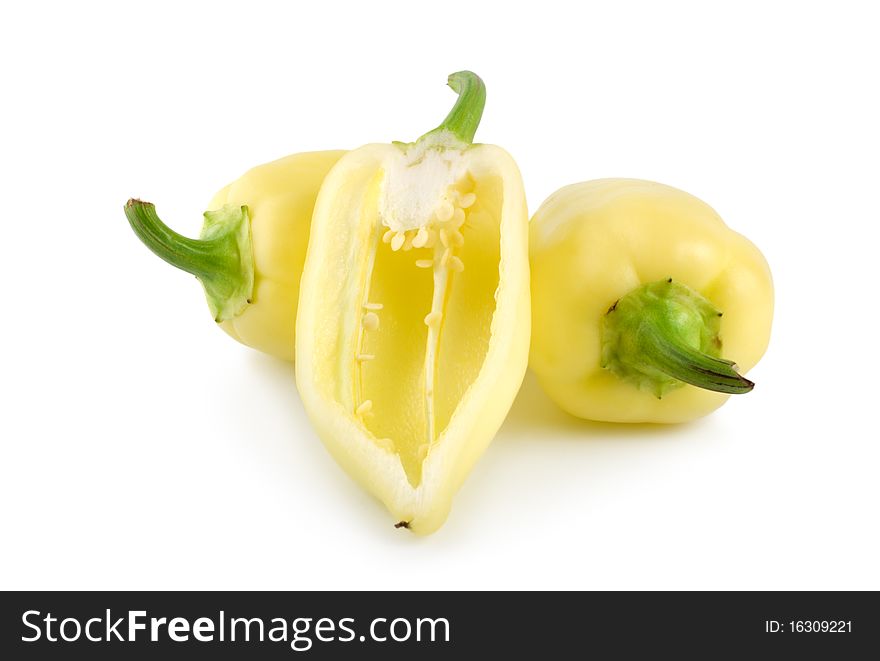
253	243
642	298
413	325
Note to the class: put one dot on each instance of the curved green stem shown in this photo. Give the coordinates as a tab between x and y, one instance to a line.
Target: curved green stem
664	334
222	259
464	118
665	350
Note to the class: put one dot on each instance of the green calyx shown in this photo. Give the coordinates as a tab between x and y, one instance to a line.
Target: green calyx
222	258
458	129
662	335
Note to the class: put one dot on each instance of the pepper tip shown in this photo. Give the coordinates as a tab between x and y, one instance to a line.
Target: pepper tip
136	202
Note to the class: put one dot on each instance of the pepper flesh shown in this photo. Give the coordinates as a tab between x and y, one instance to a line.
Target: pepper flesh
413	326
257	298
595	243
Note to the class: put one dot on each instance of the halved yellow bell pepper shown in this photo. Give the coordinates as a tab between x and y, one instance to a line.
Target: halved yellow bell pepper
252	247
642	300
413	323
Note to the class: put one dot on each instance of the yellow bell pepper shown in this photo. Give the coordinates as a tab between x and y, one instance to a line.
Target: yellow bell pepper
252	248
413	324
642	298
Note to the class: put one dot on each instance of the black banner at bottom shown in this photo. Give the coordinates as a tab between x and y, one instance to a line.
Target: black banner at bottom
334	625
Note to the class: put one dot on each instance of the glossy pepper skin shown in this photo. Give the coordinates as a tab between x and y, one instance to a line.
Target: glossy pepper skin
252	248
413	324
643	300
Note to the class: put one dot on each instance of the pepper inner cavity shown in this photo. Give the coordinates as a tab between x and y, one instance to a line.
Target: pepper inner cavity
409	375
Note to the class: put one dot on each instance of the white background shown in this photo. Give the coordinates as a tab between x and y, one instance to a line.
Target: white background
142	448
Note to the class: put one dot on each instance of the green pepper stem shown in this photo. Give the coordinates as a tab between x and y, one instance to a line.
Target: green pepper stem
464	118
668	353
664	334
191	255
222	259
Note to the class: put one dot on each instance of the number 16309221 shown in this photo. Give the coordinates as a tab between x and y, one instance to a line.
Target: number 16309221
808	626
